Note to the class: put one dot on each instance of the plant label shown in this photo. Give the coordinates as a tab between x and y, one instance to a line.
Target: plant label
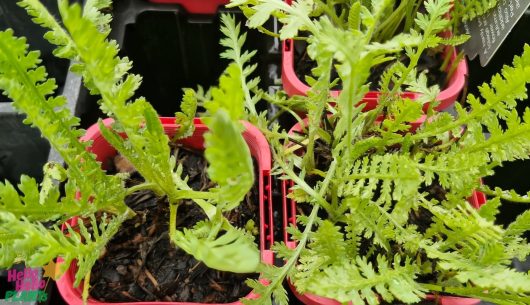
491	29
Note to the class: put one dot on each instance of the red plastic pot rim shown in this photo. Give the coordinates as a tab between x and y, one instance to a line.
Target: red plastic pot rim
196	6
294	86
289	218
260	151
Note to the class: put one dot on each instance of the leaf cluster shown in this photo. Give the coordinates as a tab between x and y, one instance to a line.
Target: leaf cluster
393	183
31	216
385	191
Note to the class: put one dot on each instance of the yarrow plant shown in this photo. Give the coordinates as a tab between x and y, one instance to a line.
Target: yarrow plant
30	220
385	191
392	30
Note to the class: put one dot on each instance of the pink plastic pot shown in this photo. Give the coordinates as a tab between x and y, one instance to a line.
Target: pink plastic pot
259	149
289	218
196	6
294	86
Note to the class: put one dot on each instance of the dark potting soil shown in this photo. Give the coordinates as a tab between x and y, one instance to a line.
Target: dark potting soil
140	263
428	62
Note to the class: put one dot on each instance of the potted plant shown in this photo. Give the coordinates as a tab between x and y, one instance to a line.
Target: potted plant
383	213
362	229
291	211
94	201
391	24
259	152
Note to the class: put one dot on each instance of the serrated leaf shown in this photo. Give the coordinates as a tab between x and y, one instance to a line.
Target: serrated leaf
233	42
93	11
229	95
354	16
229	158
490	209
186	117
232	250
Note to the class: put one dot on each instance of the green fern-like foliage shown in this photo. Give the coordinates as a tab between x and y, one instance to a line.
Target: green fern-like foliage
473	9
345	38
359	282
394	218
88	189
42	204
215	240
395	176
38	245
233	42
231	167
213	250
25	82
185	118
146	145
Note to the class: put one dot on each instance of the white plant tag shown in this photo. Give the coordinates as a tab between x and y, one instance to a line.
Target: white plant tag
489	30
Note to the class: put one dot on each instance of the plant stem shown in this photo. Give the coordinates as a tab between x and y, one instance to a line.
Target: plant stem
454	66
389	27
276	116
267	32
191	194
377	16
86	286
309	190
172	218
504	195
218	222
284	108
302	184
208	208
142	186
278	280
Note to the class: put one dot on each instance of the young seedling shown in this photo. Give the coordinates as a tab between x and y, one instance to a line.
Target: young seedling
30	221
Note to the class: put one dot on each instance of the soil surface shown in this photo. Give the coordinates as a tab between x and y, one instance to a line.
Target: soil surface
140	264
430	63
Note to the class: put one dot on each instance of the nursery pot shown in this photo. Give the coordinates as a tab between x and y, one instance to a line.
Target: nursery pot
259	150
294	86
447	97
196	6
289	218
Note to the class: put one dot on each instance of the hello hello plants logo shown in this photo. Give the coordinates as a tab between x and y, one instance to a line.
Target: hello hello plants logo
28	284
